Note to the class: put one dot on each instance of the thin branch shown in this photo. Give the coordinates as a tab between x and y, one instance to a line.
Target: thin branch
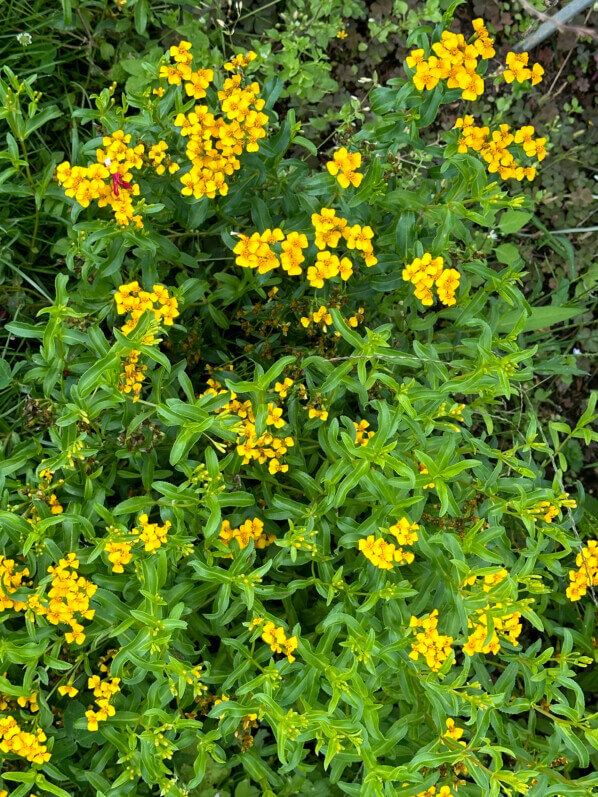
560	26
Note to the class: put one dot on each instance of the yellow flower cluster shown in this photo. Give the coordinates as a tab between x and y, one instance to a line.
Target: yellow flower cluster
214	144
240	61
248	530
253	448
131	378
265	448
275	636
131	298
328	266
10	581
55	506
344	167
380	553
549	510
489	581
587	574
493	147
330	228
68	596
103	692
25	701
362	436
29	746
455	61
256	251
518	69
195	82
160	160
384	554
321	316
109	180
443	791
434	647
151	535
425	272
405	532
507	625
119	554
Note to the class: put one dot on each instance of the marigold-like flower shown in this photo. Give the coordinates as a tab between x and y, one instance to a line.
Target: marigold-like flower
344	167
214	144
586	575
507	625
279	643
119	555
69	595
103	692
68	690
435	648
455	61
109	180
29	746
152	535
425	272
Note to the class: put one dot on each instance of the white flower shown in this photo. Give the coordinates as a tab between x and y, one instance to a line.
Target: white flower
24	39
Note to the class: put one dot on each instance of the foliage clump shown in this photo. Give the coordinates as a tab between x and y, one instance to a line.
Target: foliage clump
302	527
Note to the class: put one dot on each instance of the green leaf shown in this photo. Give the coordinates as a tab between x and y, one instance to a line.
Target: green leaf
95	376
5	374
507	253
544	317
513	220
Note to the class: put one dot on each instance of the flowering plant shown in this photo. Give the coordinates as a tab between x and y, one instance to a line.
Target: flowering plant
265	535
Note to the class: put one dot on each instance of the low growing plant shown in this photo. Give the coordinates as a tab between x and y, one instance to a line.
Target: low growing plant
278	516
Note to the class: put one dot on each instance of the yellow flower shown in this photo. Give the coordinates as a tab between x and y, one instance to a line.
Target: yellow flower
587	574
362	436
426	77
29	746
55	506
435	648
517	67
279	643
282	388
447	284
69	690
414	58
537	73
180	52
344	167
452	731
151	534
119	554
